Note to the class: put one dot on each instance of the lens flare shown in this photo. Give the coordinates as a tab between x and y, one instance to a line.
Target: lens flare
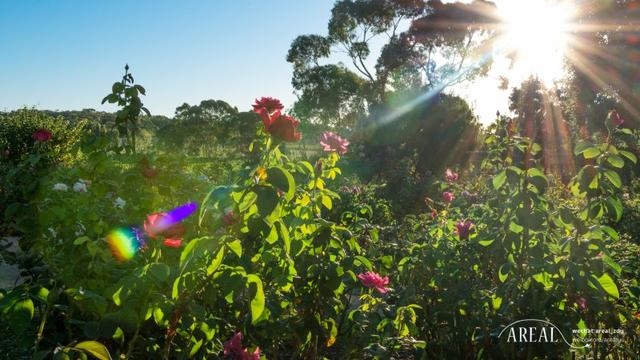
171	218
125	243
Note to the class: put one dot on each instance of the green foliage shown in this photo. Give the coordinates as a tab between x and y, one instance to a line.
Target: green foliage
24	161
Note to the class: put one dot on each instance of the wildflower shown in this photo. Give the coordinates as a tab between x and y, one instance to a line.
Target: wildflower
281	126
119	203
615	119
332	142
60	187
451	175
434	214
464	229
447	196
41	135
371	279
80	187
269	103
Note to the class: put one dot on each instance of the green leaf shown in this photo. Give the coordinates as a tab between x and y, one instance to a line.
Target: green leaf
499	180
20	315
545	279
159	272
215	264
608	285
94	348
496	301
283	180
81	240
503	273
629	155
616	161
591	152
326	202
195	348
364	261
236	247
612	264
257	301
486	242
614	206
614	178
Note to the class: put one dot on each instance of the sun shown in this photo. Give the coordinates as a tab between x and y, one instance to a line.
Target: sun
536	35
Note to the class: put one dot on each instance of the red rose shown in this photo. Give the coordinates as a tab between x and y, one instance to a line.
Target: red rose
41	135
173	243
269	103
283	127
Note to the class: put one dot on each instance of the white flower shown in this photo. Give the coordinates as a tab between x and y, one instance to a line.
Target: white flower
626	196
119	203
53	232
80	229
60	187
80	187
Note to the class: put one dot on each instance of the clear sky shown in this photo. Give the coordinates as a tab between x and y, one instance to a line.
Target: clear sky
65	54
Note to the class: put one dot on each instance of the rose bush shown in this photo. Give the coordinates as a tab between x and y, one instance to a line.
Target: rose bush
290	260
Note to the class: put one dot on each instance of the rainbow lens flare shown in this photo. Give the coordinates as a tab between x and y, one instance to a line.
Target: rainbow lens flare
173	217
125	243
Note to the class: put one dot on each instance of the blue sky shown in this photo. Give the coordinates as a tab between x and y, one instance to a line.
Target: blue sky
65	54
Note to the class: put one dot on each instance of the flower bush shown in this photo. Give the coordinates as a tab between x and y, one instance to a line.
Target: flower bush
291	260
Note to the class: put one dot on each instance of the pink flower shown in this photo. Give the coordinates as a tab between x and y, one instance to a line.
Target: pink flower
41	135
233	349
371	279
269	103
464	229
615	118
582	303
255	355
450	175
332	142
447	196
233	346
434	214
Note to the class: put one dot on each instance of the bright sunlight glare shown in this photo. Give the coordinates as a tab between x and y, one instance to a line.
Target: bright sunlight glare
536	35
